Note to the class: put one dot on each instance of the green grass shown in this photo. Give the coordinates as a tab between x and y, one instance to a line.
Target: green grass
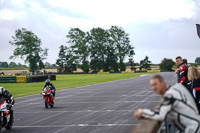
14	68
65	82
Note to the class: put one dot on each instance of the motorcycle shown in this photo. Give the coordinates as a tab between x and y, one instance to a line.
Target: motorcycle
48	97
6	114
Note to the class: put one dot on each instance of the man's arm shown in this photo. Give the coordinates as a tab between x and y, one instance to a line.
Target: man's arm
44	86
9	96
53	86
182	74
160	114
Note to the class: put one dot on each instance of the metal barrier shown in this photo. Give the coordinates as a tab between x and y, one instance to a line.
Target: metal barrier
153	126
21	79
147	126
7	79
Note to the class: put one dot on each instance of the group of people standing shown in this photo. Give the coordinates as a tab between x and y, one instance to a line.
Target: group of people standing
189	76
180	103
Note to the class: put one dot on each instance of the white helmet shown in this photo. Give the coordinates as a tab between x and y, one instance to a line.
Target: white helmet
2	89
48	81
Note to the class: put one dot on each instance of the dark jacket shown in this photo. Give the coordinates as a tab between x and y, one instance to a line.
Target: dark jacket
52	86
196	84
9	97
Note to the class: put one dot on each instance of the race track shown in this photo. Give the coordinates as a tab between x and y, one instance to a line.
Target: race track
101	108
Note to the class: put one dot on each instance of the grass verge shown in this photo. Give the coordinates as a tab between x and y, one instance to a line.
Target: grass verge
66	82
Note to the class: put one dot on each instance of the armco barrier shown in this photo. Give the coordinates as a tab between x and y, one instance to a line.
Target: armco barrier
147	126
39	78
21	79
52	77
8	79
29	80
153	126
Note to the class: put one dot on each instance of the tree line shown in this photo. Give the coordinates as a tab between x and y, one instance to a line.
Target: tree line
11	64
97	49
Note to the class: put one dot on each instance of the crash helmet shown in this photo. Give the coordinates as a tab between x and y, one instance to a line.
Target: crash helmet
2	89
47	81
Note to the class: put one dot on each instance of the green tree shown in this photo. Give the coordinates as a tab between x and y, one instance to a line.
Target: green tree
47	64
111	59
12	64
41	65
71	60
53	65
66	62
3	64
19	65
61	61
28	48
197	60
167	64
98	40
78	41
145	63
121	42
131	61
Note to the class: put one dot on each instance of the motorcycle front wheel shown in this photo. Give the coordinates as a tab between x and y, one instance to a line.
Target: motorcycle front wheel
46	102
1	120
10	123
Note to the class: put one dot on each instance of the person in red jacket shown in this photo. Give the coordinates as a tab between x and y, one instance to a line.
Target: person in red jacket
182	72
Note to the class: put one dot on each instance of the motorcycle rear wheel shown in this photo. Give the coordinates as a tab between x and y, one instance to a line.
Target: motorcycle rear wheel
46	102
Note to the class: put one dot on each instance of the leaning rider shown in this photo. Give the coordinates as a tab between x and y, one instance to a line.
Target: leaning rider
53	89
6	94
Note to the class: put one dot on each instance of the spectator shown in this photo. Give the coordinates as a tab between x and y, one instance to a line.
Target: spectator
178	105
182	73
194	77
185	61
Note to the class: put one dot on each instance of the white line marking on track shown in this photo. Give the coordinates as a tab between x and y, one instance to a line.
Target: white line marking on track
74	111
46	118
78	125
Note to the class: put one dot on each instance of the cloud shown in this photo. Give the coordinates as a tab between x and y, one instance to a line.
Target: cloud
157	28
129	10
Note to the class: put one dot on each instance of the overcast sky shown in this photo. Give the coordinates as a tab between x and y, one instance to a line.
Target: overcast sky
157	28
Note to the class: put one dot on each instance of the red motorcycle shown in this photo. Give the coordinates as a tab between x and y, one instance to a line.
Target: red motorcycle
48	97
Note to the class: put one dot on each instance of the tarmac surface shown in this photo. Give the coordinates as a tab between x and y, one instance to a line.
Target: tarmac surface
101	108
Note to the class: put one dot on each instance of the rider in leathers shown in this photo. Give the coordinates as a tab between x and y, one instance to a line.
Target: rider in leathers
178	105
53	89
6	94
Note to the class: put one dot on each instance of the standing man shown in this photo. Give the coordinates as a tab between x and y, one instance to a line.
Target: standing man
178	105
182	72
